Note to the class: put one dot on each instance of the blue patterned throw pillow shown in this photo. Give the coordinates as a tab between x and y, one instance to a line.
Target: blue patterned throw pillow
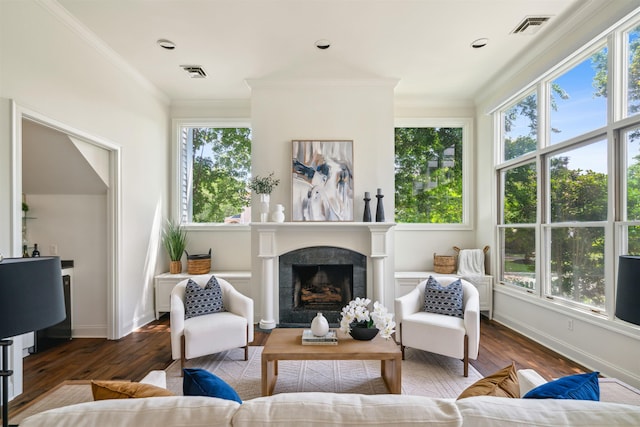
199	301
443	299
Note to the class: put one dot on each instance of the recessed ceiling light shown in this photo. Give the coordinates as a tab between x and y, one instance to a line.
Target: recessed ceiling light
477	44
166	44
323	44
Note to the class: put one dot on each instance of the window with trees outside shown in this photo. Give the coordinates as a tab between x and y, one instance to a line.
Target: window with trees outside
430	172
569	190
214	172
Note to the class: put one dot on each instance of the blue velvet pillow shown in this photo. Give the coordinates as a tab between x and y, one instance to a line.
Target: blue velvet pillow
199	382
579	387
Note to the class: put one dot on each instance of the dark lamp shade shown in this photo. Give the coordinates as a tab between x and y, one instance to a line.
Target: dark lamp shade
31	295
628	292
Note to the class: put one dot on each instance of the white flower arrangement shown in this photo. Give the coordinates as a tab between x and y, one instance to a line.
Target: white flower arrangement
357	311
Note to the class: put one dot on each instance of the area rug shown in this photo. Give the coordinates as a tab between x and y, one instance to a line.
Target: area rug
423	374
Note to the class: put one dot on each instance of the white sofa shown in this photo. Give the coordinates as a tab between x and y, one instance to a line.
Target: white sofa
334	409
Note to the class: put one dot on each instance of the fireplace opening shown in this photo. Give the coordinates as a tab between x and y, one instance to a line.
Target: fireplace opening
322	287
319	279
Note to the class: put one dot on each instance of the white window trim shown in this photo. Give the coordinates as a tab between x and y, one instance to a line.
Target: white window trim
176	161
468	195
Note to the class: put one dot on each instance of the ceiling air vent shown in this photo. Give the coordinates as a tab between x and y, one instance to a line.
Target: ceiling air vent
530	25
194	71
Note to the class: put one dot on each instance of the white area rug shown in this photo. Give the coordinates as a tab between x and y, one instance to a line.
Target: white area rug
423	374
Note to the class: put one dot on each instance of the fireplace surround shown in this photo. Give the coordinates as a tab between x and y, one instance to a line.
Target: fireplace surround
273	240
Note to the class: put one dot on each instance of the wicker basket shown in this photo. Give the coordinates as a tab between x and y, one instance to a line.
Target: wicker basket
444	264
199	264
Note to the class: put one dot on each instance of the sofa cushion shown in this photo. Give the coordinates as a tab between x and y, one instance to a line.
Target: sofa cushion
336	409
156	411
200	382
199	301
125	390
503	383
491	411
579	386
443	299
529	379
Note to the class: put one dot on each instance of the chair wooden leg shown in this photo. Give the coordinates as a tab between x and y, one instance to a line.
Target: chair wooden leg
401	345
246	347
466	355
182	357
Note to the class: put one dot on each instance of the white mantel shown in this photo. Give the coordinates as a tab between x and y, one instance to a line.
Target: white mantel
274	239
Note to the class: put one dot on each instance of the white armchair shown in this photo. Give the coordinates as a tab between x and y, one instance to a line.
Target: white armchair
210	333
438	333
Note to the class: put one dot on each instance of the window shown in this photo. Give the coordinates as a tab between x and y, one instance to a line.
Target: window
633	71
520	127
565	185
214	170
430	163
578	98
518	229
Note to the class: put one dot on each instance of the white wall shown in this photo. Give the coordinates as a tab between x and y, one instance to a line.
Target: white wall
49	69
608	346
76	225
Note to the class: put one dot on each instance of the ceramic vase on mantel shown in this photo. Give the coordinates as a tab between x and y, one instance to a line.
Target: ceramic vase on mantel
319	325
278	214
264	207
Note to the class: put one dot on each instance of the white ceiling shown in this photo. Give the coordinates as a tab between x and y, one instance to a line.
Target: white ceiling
425	44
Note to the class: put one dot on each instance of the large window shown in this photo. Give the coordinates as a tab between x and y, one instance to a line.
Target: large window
518	225
214	170
569	176
430	173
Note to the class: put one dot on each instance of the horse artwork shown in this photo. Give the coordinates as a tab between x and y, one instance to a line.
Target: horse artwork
322	187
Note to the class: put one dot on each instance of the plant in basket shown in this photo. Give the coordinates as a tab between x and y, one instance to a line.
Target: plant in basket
356	316
174	239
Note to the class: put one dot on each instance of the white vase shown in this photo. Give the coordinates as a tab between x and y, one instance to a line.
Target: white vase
319	325
264	207
278	214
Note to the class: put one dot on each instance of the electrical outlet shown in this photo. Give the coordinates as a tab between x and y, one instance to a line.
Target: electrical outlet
570	324
53	249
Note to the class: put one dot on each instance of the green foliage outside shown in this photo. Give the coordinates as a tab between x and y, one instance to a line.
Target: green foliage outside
428	175
221	170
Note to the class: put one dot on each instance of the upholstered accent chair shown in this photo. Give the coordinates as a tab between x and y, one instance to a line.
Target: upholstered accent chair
443	334
214	332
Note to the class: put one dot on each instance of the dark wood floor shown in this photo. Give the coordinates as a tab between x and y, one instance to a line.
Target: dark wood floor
149	348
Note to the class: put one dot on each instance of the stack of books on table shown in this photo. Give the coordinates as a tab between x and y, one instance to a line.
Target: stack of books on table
309	339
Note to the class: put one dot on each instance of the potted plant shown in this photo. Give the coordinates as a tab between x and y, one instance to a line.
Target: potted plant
174	239
263	185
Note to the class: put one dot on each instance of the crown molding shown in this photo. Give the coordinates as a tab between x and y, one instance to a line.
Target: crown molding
95	42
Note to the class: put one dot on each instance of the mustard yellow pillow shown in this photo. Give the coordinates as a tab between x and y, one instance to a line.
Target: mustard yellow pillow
503	383
125	390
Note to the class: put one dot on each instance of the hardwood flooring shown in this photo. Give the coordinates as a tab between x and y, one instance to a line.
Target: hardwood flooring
149	348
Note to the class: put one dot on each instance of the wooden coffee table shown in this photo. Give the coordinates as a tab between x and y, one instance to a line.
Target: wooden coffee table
286	344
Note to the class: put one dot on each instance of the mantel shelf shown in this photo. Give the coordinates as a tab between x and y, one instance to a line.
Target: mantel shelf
322	225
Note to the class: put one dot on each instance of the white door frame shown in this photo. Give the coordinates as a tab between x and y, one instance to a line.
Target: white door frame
114	203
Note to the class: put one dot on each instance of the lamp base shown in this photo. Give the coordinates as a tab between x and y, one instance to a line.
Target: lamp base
5	373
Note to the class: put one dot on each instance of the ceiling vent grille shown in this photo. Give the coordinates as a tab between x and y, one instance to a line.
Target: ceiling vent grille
195	71
530	25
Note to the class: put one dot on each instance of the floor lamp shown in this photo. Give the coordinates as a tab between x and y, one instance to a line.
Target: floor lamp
628	291
31	298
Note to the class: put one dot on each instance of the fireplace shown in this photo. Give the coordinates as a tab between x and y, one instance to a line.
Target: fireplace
319	279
